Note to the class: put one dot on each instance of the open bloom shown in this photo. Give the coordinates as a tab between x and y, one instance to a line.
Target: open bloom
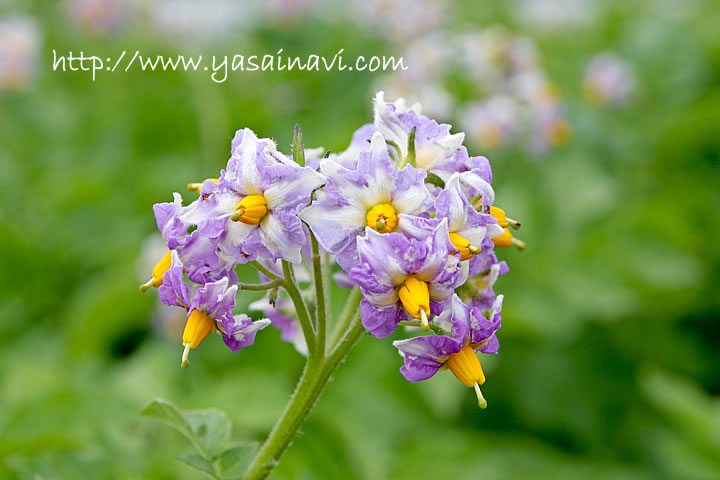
436	149
198	254
471	232
404	278
374	195
470	331
209	309
252	211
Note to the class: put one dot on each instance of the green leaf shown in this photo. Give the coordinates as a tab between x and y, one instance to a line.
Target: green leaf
208	430
433	179
199	462
298	147
169	414
235	461
211	427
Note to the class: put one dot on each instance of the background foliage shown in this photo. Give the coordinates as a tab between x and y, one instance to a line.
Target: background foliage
609	361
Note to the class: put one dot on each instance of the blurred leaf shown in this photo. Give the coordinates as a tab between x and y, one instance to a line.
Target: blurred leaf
235	460
199	462
211	427
208	430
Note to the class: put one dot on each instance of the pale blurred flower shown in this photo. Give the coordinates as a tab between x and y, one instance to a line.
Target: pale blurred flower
19	46
399	20
554	14
491	123
99	17
205	22
285	13
512	100
608	80
436	100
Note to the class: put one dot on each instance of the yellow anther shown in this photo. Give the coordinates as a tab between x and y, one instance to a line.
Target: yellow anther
466	367
504	240
507	240
250	210
198	327
158	271
499	215
503	221
382	218
462	245
415	297
197	186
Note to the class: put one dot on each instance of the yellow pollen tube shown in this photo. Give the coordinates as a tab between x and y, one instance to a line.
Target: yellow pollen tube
462	245
465	365
382	218
415	298
158	271
198	327
197	186
250	210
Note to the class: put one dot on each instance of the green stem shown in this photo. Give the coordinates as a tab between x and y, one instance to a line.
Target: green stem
260	286
312	382
265	271
302	311
321	303
351	306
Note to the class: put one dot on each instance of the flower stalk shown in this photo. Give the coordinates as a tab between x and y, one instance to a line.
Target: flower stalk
317	372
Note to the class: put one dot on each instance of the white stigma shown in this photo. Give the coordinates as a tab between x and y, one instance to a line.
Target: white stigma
185	362
147	285
482	403
424	324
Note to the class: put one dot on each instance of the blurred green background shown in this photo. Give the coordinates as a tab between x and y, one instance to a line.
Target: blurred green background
609	364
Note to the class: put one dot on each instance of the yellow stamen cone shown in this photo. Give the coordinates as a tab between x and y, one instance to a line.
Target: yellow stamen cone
250	210
499	215
382	218
503	220
462	245
504	240
415	297
465	365
198	327
162	266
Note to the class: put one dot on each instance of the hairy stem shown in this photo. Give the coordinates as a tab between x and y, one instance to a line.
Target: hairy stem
315	376
265	271
260	286
302	311
321	303
351	306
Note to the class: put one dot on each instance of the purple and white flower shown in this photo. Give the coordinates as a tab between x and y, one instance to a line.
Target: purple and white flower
279	187
351	196
210	306
387	261
425	355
